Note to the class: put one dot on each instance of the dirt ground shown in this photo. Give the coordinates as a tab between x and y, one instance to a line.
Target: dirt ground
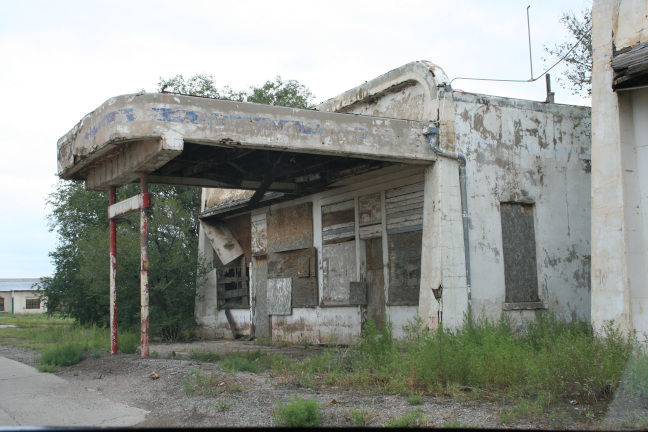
248	399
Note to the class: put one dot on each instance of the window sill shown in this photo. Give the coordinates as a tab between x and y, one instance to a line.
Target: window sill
524	306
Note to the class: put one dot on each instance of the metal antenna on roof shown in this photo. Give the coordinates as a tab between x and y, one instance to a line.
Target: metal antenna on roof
530	61
529	32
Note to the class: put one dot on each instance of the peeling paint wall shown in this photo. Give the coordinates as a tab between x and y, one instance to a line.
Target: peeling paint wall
518	151
619	173
529	153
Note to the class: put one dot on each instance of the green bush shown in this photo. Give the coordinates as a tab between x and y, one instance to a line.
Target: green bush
297	413
65	354
127	342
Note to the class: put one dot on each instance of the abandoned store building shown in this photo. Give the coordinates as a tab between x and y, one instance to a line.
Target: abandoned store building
398	198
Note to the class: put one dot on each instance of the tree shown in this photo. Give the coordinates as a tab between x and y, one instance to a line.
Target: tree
79	286
578	73
289	93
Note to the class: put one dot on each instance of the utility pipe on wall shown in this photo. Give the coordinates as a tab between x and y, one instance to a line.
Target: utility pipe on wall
432	133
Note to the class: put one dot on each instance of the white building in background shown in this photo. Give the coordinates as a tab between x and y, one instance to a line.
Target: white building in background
19	296
620	163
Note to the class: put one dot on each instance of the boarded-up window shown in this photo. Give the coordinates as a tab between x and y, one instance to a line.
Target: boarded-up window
338	222
1	304
404	208
232	279
405	267
32	304
290	228
519	250
339	270
300	267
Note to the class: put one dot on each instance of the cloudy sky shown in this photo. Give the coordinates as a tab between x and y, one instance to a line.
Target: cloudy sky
59	60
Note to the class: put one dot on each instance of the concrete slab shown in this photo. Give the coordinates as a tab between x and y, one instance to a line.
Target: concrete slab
30	398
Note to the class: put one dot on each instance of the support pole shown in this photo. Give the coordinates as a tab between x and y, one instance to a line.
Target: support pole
112	197
144	274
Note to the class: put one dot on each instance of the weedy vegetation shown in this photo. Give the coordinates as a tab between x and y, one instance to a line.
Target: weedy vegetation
297	413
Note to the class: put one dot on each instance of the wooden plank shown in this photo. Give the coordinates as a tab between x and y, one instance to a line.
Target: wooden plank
129	205
291	264
403	190
338	271
223	241
279	296
369	209
259	235
232	293
370	231
290	228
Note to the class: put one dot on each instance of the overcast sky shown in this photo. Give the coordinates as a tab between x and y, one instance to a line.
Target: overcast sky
59	60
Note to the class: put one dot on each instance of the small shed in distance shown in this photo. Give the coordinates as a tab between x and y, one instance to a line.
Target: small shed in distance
20	296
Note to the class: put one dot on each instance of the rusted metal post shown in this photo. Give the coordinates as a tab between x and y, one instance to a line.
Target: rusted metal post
144	273
112	197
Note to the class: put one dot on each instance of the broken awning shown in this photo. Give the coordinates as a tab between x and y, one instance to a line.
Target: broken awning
194	141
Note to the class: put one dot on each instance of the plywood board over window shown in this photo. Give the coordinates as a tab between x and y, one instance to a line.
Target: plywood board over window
404	208
232	278
300	267
290	228
519	251
339	270
338	222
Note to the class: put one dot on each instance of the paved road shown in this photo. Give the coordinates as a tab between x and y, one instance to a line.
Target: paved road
30	398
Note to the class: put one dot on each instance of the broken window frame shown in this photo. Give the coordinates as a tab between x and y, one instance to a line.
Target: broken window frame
233	277
32	303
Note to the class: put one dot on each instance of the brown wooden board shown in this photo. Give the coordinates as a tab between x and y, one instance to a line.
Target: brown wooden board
290	228
338	222
290	264
405	267
242	229
339	269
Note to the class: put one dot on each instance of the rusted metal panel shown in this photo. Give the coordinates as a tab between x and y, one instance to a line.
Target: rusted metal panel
338	222
259	235
339	269
290	228
225	244
404	206
295	265
404	267
279	296
519	250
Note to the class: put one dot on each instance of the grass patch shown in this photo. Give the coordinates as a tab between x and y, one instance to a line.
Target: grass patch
251	361
362	417
414	399
209	356
297	413
549	361
411	418
127	342
63	355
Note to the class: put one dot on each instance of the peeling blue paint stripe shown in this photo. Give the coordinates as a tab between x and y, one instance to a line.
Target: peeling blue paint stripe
124	115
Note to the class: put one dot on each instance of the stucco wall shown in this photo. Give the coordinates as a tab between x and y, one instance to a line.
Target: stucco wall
533	153
619	173
20	302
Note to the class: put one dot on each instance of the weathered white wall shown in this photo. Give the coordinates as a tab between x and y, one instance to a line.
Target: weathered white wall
20	302
533	153
619	173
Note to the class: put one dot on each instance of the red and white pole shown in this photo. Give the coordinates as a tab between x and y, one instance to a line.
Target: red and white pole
144	274
112	198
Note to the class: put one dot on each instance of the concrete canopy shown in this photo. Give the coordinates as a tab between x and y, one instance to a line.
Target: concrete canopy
194	141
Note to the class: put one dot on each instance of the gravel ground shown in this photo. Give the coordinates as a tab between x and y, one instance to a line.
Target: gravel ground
248	399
